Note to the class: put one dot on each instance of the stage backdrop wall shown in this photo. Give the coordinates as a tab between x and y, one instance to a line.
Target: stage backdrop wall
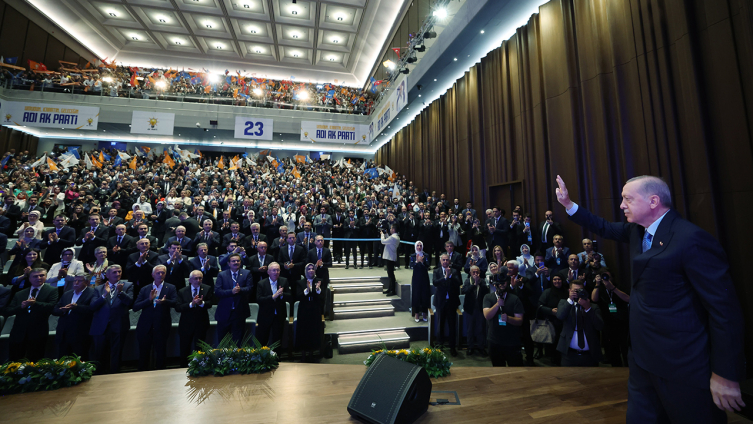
599	91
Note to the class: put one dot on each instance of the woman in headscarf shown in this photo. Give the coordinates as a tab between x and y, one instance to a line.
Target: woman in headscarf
475	258
34	222
308	293
548	302
420	286
525	260
30	259
27	241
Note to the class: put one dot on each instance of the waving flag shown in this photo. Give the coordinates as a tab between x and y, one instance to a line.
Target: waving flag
168	160
372	173
51	165
96	163
118	161
280	169
101	158
41	160
296	173
124	155
221	163
143	151
106	157
5	160
132	165
74	152
300	158
68	161
198	152
88	162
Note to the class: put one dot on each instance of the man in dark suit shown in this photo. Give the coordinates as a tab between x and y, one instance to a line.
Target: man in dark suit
205	263
678	303
234	235
190	224
272	294
442	236
321	257
208	237
447	299
305	238
32	307
232	289
5	224
58	238
252	240
91	237
497	230
546	231
110	322
176	264
183	240
120	246
323	223
194	302
556	256
351	231
140	264
159	222
338	225
5	298
155	320
272	224
581	323
259	263
72	333
292	265
457	261
112	221
143	229
538	276
12	212
573	270
31	206
474	289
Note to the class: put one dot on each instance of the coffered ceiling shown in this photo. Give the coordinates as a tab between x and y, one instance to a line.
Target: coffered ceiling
318	40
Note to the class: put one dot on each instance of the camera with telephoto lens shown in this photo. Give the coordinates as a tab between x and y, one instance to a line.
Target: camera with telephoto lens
605	277
582	294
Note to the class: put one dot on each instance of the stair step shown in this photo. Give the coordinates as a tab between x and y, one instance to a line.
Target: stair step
382	301
367	341
355	287
352	312
370	278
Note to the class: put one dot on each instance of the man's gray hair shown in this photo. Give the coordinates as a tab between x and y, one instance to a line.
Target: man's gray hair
651	185
513	262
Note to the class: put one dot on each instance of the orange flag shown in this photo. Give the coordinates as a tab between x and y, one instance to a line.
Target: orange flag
96	163
51	164
233	163
132	165
221	163
101	158
199	153
168	160
296	173
300	158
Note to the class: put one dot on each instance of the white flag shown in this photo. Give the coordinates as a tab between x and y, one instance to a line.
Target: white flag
88	161
42	160
395	192
270	159
69	161
250	162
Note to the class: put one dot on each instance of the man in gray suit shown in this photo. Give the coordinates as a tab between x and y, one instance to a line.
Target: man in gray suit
323	225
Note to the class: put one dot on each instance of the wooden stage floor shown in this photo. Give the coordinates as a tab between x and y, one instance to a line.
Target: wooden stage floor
318	393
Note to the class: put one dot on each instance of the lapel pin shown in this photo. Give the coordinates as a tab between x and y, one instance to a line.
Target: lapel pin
661	244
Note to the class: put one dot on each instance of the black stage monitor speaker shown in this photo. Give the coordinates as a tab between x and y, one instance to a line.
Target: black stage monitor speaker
391	391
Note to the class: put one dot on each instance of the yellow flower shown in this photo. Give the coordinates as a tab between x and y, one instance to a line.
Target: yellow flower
32	364
264	348
72	364
378	351
427	350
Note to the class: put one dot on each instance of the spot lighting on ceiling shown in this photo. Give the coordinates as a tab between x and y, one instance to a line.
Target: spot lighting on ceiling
218	47
163	20
455	59
296	36
293	12
482	31
440	13
135	37
247	6
389	64
178	42
335	40
209	26
253	31
113	14
258	51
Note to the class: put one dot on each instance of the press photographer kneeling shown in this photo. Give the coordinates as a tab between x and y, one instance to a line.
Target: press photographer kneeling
581	323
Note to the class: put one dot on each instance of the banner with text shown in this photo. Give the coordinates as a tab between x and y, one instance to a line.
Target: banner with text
254	128
156	123
389	108
327	132
49	115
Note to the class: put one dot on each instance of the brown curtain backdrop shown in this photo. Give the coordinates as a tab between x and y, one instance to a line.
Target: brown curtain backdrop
18	140
599	91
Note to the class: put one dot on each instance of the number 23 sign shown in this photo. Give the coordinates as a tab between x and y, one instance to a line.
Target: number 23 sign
253	128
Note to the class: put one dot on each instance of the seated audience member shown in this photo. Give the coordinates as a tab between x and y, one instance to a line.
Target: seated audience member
75	318
32	307
194	302
155	321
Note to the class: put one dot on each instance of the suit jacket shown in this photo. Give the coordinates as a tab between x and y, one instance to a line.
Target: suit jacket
269	308
211	268
474	299
32	320
5	225
592	324
177	273
255	264
186	245
248	243
101	234
66	238
140	275
5	298
552	230
500	235
301	236
323	226
14	214
551	261
127	246
154	244
448	290
192	227
74	324
323	271
213	243
111	314
157	316
677	302
229	236
226	300
194	319
113	223
298	259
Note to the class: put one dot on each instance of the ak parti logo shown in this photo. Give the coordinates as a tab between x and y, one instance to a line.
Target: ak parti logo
152	123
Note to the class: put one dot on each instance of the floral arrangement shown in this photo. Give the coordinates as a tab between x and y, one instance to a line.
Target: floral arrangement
433	361
228	358
46	374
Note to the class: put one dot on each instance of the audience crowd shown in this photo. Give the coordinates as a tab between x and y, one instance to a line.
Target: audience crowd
161	84
90	243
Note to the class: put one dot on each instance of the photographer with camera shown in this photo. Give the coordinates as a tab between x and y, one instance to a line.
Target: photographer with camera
614	302
579	340
504	315
591	253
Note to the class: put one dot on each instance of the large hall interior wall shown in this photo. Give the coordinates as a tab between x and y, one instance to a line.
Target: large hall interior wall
599	91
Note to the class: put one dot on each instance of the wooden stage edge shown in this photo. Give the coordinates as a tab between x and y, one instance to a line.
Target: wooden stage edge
319	393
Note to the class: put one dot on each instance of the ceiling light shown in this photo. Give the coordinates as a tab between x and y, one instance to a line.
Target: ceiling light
419	95
253	31
219	47
209	26
331	59
247	6
335	40
435	79
212	78
303	95
178	42
113	14
161	84
293	12
440	13
135	38
258	50
296	36
339	18
295	55
455	59
257	91
482	31
389	64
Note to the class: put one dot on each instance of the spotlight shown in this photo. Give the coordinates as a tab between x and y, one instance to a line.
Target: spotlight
482	31
440	13
389	64
405	71
257	91
421	48
412	58
455	59
430	34
303	95
212	78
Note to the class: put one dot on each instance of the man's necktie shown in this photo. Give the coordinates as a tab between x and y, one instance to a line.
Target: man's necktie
195	292
579	324
120	239
290	255
543	232
319	254
34	293
647	238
